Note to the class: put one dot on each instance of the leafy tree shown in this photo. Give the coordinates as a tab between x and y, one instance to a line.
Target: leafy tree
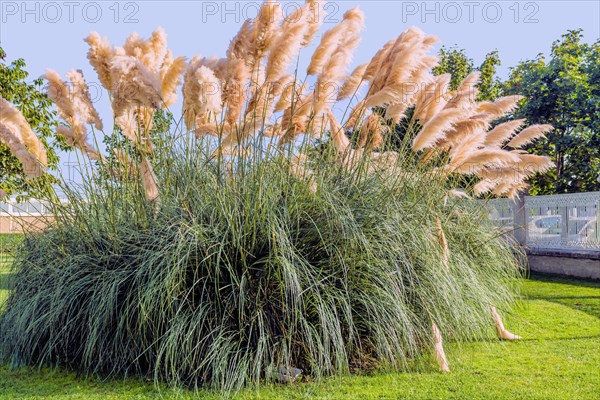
456	62
563	91
36	107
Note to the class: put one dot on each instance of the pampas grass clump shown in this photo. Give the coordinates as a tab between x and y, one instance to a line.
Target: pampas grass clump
267	232
235	278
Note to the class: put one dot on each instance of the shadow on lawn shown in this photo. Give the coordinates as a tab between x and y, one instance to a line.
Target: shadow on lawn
589	304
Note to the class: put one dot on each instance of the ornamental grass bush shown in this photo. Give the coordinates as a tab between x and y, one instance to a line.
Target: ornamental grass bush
265	232
233	278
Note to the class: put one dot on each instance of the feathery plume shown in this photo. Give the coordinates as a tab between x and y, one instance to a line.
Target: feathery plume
286	46
531	163
466	92
463	130
340	140
500	107
171	80
31	165
430	99
265	28
100	55
16	125
528	135
501	133
399	63
76	136
317	16
233	91
372	132
295	119
443	243
352	82
512	193
465	149
376	62
133	84
481	158
458	193
151	52
241	46
483	186
149	180
396	112
351	24
207	129
75	108
332	73
238	72
201	96
127	121
58	92
408	54
82	101
436	128
288	91
357	113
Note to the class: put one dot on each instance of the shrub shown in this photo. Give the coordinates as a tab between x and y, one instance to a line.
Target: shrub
233	278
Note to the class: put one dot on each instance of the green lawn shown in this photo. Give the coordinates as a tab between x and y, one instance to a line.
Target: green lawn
4	276
559	358
9	242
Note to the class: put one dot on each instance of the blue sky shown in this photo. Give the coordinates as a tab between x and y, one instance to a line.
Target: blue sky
49	34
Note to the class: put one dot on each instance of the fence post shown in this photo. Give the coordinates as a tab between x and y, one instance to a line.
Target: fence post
519	219
564	225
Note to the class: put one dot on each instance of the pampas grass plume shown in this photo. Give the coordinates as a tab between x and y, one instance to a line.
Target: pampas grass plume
17	130
502	132
528	135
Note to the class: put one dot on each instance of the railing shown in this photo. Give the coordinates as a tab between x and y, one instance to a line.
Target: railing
501	213
564	221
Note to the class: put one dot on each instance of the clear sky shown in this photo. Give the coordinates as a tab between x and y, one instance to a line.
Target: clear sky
48	34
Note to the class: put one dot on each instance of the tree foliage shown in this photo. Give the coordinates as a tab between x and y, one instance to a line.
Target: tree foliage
564	91
456	62
36	107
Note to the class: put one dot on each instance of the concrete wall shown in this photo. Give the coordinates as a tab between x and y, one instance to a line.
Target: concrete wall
576	263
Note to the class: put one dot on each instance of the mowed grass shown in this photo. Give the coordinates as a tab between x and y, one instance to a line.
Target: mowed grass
558	358
9	242
5	260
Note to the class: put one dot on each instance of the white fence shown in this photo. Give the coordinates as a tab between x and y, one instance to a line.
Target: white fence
563	222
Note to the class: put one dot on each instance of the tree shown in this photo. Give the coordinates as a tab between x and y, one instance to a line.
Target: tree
33	103
456	62
563	91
